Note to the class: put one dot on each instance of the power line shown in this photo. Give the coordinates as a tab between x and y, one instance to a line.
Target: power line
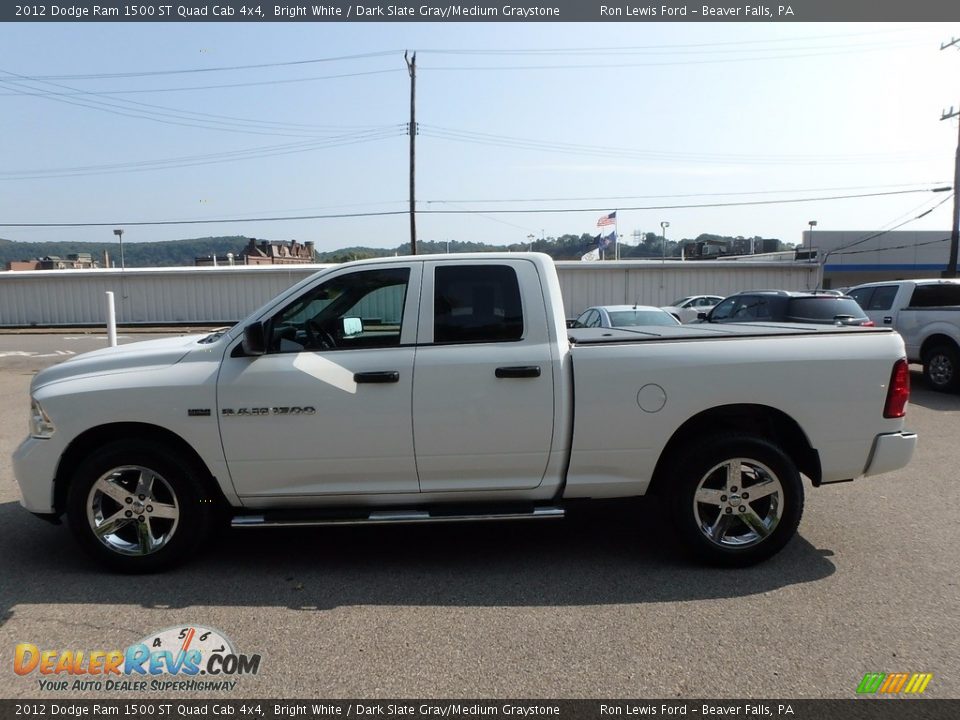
666	63
145	111
228	119
614	198
207	159
461	51
493	211
894	247
567	50
222	68
491	139
872	236
140	91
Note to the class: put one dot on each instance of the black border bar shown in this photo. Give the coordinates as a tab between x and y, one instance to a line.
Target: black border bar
483	11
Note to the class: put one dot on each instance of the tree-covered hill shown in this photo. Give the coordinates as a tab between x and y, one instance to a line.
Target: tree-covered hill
135	254
184	252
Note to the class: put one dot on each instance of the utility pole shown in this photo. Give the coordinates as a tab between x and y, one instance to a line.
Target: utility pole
412	131
955	229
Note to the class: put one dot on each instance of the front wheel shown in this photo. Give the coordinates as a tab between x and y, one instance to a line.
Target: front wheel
941	368
137	507
736	501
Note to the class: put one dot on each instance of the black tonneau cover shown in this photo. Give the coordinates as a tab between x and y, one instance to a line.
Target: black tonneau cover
644	333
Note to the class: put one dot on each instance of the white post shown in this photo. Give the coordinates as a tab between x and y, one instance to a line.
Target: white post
111	320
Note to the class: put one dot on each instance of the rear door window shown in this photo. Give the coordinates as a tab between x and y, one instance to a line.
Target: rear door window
477	303
862	296
882	298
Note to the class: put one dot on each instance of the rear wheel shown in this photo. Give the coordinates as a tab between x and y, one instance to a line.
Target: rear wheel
136	507
738	501
941	368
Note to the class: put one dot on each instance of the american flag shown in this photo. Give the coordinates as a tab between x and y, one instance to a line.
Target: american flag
607	219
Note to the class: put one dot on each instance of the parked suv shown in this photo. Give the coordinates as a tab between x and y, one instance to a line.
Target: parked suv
791	307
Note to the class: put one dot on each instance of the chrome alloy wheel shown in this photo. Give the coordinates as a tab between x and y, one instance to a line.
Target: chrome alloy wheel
132	510
738	503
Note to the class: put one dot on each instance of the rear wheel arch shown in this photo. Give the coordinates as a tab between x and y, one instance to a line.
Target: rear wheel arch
937	340
760	421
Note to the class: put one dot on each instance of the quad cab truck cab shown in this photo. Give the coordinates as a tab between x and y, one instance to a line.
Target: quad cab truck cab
441	388
926	313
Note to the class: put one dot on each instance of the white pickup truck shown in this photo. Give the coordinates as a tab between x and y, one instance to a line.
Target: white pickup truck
447	388
926	313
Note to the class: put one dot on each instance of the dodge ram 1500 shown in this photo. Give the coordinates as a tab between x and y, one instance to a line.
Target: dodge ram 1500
447	388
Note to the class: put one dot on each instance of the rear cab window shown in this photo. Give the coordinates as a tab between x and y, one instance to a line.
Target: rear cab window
938	295
477	304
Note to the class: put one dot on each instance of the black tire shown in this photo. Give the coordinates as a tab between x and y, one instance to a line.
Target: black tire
941	368
737	530
104	495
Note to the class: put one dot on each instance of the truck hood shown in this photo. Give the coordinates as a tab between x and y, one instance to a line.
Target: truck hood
130	357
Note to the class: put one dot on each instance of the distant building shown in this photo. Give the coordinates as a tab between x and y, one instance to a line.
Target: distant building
853	257
263	252
16	265
215	260
705	249
75	261
712	248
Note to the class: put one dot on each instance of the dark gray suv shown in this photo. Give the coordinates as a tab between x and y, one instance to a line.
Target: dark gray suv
791	307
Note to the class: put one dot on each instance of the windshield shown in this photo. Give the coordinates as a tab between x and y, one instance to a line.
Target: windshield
629	318
681	301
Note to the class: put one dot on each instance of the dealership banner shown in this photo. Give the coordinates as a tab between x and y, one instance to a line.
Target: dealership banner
503	11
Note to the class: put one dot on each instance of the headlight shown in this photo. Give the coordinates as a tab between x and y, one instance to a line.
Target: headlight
40	424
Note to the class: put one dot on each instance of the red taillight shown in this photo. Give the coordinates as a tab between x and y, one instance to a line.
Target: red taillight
868	323
898	392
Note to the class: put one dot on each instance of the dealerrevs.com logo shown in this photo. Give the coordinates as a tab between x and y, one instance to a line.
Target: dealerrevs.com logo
176	659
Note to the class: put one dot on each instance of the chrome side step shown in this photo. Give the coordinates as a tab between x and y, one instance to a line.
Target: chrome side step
388	517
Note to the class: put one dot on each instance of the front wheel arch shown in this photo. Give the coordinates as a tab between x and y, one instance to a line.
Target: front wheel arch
90	440
135	507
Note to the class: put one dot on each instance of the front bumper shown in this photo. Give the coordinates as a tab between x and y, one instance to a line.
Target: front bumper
890	452
34	467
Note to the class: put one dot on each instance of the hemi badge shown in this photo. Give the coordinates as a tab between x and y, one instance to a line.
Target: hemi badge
198	412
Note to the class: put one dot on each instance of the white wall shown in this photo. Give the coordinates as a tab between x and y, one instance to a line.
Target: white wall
156	296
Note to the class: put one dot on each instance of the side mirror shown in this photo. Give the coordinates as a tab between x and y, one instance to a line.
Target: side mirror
254	342
352	326
702	315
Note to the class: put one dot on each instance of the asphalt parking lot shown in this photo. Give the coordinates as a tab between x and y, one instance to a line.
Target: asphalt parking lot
599	605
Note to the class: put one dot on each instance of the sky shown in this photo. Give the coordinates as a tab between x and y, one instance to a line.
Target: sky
119	123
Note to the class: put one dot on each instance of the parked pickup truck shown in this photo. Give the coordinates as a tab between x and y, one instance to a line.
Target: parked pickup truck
926	313
447	388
